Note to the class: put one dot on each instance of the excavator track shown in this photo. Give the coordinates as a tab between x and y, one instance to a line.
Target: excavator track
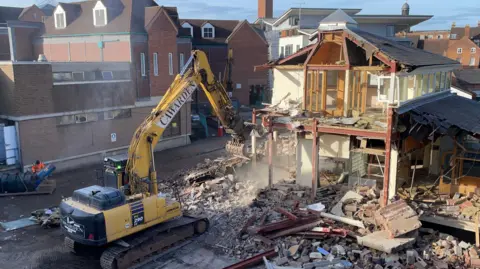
151	241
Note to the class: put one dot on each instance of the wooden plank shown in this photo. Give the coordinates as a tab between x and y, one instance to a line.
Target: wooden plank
368	68
364	91
372	151
340	92
450	222
324	90
289	67
354	90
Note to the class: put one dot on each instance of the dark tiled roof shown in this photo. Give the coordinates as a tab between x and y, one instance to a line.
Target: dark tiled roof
223	29
444	111
124	16
404	54
47	9
469	76
437	46
9	13
460	31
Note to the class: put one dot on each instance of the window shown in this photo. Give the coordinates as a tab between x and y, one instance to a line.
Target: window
117	114
298	47
459	51
182	61
62	76
473	50
430	36
188	26
155	64
288	50
390	30
60	20
453	36
422	37
472	61
282	52
87	117
99	16
293	21
107	75
438	78
78	76
439	36
383	88
142	64
477	41
207	32
170	64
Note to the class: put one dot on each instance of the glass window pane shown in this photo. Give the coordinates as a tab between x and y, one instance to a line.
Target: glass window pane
438	77
425	84
418	84
448	80
383	90
431	83
442	80
403	94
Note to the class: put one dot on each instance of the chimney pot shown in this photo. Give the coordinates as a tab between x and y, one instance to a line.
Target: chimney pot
467	30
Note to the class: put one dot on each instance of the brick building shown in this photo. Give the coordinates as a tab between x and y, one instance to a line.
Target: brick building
102	66
217	37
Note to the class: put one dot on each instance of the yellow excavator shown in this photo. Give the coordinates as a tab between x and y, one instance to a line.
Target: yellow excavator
132	220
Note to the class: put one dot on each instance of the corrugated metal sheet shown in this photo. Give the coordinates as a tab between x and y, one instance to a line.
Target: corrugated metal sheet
443	111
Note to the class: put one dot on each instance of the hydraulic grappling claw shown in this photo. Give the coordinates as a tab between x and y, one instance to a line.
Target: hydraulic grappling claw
235	147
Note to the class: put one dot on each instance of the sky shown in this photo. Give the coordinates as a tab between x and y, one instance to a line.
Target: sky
445	11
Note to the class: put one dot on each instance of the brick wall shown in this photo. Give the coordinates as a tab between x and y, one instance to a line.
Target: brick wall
76	97
249	50
24	44
33	14
6	88
162	39
466	44
142	83
54	142
4	47
32	89
85	52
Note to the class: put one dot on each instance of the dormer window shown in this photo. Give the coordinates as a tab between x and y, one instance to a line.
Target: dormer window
188	26
99	14
208	31
60	18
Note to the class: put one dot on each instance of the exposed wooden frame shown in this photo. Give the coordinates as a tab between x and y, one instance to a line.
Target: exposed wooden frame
364	90
324	90
289	67
367	68
327	67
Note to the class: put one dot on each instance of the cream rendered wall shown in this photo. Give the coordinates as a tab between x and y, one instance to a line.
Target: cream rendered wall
287	81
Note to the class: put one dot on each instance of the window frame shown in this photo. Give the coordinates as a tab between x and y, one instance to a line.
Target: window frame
155	64
142	64
64	20
459	50
210	32
473	50
189	26
181	62
170	64
390	30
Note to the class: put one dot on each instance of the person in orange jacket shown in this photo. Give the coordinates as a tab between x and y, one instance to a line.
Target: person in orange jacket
38	166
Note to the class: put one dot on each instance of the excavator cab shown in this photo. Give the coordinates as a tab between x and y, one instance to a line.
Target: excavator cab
114	172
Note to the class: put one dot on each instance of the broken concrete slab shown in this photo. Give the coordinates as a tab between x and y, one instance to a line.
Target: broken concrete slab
398	218
381	241
350	195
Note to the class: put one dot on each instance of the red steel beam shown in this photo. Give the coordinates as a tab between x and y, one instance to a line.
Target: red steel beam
314	159
253	260
388	148
351	131
286	213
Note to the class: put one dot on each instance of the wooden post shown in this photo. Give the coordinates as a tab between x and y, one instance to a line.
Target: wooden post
314	159
254	140
477	232
388	148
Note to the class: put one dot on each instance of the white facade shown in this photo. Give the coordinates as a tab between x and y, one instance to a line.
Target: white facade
297	42
287	82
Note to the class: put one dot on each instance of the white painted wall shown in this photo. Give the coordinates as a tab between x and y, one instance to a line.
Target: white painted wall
301	40
287	81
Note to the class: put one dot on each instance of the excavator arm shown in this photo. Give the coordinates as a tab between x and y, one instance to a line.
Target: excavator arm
140	168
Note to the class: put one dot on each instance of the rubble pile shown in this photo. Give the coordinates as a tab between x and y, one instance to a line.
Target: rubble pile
284	146
47	218
341	227
463	207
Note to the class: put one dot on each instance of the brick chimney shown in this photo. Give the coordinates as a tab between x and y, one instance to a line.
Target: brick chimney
265	8
467	30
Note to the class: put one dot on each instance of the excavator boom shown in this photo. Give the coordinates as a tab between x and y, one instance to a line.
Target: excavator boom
196	74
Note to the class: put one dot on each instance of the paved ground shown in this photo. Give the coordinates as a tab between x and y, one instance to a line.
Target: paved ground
39	248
